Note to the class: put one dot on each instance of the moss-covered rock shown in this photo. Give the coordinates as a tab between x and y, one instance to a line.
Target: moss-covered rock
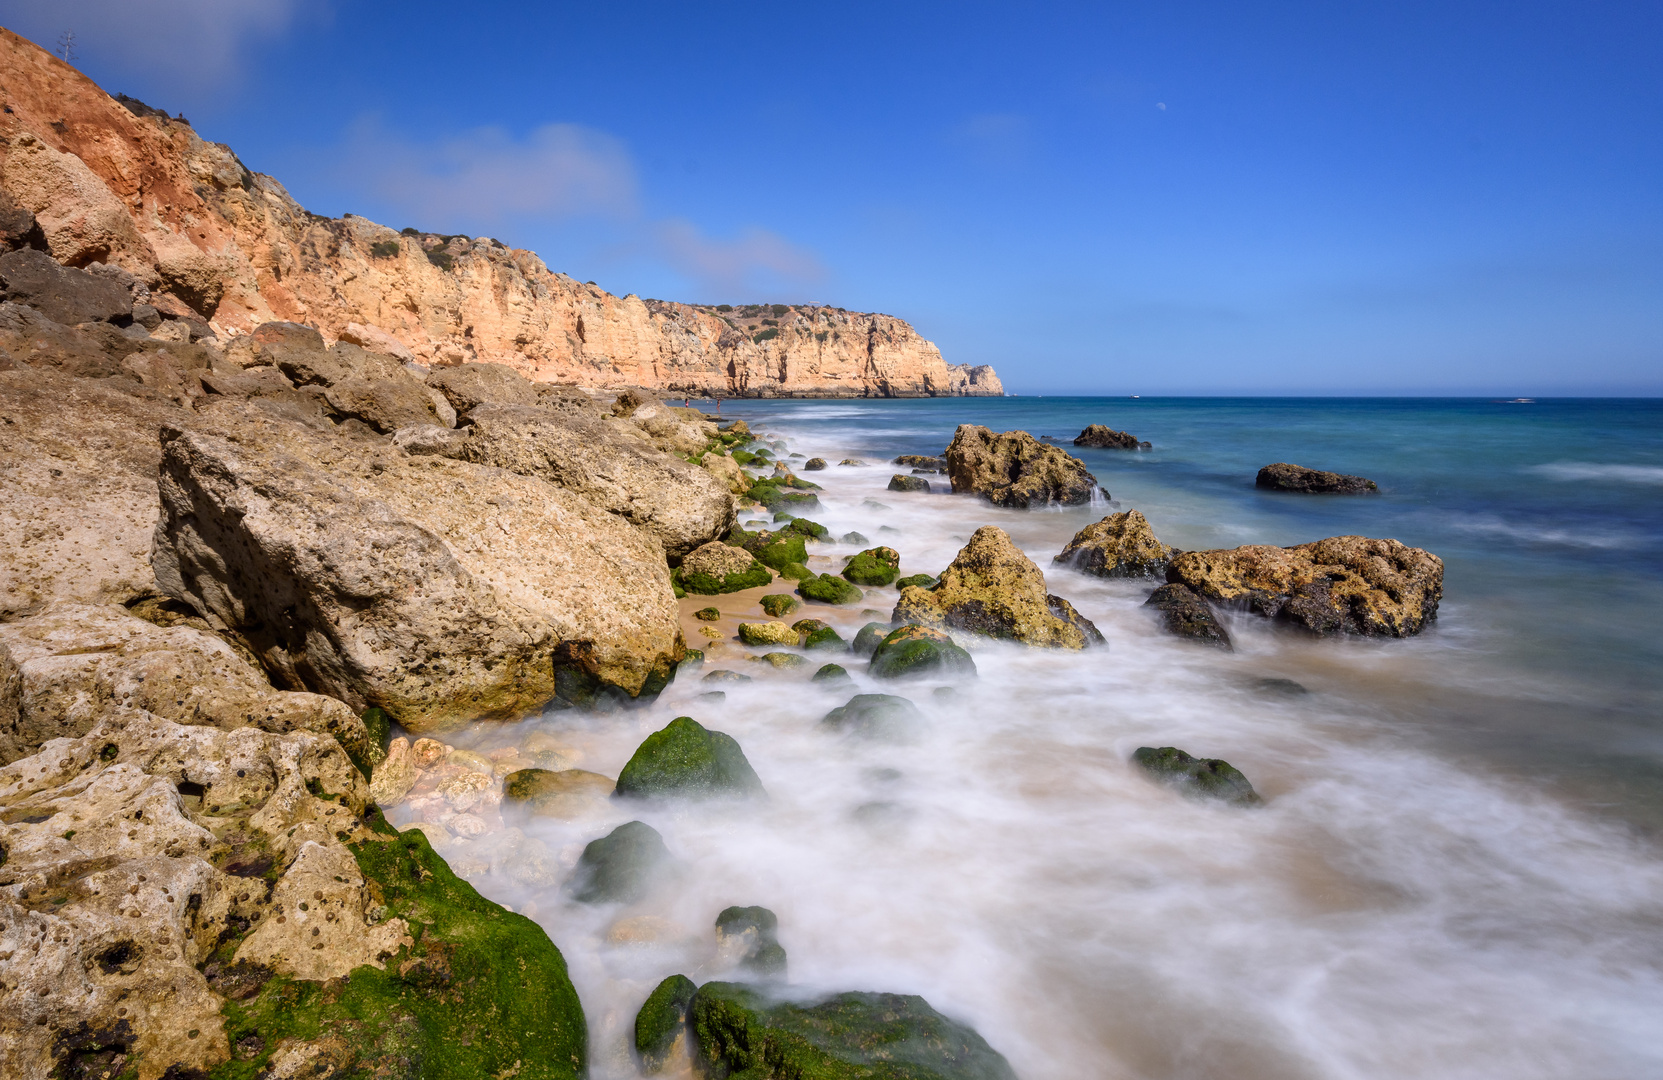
478	991
707	614
828	589
833	674
870	637
795	571
776	604
685	760
782	660
768	633
811	529
902	482
875	566
723	675
779	549
691	662
562	793
370	751
754	577
752	933
801	501
826	638
922	581
1206	778
1121	545
741	1032
662	1020
1184	614
918	651
878	716
621	867
804	627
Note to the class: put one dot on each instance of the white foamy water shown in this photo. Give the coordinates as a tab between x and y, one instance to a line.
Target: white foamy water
1388	913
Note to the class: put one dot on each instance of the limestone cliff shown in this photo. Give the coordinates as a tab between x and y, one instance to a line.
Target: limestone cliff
120	183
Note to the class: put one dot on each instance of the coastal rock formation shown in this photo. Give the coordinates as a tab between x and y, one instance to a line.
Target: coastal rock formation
1121	545
1015	470
750	937
1186	615
332	559
1285	477
180	897
1345	584
919	652
1106	438
687	760
127	186
992	588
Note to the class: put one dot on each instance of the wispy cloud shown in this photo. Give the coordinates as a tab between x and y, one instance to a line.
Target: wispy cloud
996	138
755	260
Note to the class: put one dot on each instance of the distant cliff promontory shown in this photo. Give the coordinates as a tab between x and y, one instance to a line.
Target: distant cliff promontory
120	183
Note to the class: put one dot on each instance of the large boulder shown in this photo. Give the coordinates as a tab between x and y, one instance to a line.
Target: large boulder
1207	778
716	567
1285	477
1184	614
1015	470
1100	437
181	899
439	590
468	386
384	395
1121	545
681	504
687	760
727	473
78	491
73	665
745	1031
1345	584
992	588
63	294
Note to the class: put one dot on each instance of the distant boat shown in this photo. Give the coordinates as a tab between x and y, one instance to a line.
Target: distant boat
1520	401
1136	396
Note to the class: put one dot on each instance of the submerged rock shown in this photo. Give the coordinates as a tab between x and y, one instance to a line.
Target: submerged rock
992	588
742	1031
874	566
1121	545
661	1023
752	934
828	589
916	651
1015	470
1186	615
835	675
900	482
814	464
1285	477
621	867
685	760
1345	584
783	660
825	638
923	461
877	716
1100	437
858	539
1208	778
870	637
564	794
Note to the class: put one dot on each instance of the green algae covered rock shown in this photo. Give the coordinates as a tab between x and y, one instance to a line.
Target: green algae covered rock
778	549
776	604
768	633
922	581
825	638
805	627
742	1032
811	529
783	660
685	760
478	991
917	651
719	568
753	932
707	614
620	867
881	716
854	538
834	674
1206	778
693	661
378	729
874	566
795	571
827	589
870	637
661	1021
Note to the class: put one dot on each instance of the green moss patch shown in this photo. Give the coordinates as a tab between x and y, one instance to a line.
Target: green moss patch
686	760
662	1019
875	566
919	651
828	589
776	604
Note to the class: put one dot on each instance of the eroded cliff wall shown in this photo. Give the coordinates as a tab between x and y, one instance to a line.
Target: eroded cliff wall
123	184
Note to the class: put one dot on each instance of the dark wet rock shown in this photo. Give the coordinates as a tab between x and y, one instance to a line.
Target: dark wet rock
870	637
922	581
814	464
1121	545
1345	584
854	538
898	482
825	638
1015	470
1198	777
745	1032
662	1021
707	614
878	716
621	867
776	604
63	294
923	461
753	933
874	566
1285	477
992	588
828	589
1280	687
713	697
723	675
915	651
1099	437
685	760
1187	615
833	674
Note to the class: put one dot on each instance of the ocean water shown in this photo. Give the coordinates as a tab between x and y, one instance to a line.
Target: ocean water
1458	871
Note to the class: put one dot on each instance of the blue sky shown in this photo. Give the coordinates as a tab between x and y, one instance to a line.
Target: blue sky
1115	198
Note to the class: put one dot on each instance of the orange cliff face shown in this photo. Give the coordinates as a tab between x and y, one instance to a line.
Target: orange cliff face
125	185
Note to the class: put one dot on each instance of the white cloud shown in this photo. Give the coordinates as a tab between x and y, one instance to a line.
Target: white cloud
756	259
1000	138
490	178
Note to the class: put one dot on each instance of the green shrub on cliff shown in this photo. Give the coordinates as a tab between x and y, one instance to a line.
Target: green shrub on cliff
765	335
386	249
